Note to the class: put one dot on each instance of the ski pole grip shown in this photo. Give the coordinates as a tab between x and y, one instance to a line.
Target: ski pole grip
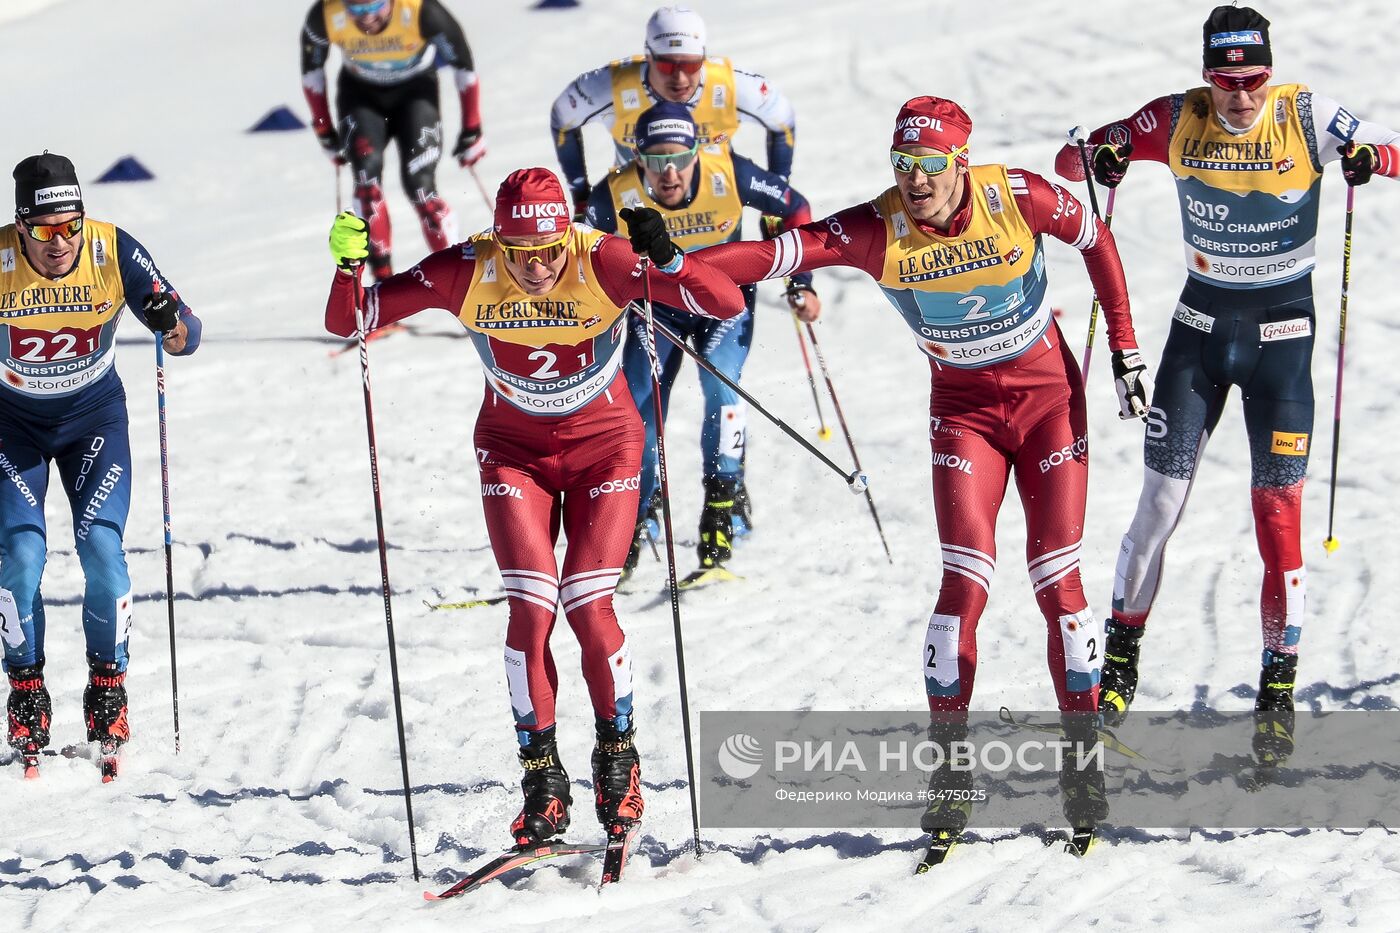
858	482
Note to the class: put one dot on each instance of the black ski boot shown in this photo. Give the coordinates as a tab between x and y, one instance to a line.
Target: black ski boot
546	789
104	705
29	710
949	793
617	778
1273	709
1120	673
1084	797
717	522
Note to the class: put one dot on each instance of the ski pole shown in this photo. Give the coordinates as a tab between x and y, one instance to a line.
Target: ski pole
338	207
850	444
856	480
824	433
1079	140
165	505
384	568
485	198
655	361
1331	543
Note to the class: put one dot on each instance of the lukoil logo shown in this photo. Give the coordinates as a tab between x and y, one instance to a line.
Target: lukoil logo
538	209
740	756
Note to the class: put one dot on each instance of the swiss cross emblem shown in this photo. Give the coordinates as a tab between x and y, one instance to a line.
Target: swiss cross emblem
1234	55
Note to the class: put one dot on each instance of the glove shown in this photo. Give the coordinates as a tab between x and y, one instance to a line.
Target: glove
647	231
1130	379
332	145
771	226
162	312
349	241
1358	162
1111	163
581	208
470	148
797	292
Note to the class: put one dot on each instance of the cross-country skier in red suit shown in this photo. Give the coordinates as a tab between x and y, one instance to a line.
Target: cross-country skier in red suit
558	443
957	250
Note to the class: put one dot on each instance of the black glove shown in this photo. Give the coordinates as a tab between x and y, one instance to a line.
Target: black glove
161	311
647	231
1358	162
1130	379
581	208
1111	163
470	148
771	226
796	292
332	145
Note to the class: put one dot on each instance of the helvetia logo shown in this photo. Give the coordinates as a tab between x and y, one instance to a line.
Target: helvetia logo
58	193
741	756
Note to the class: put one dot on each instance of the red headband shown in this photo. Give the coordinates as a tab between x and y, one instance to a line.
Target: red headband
530	202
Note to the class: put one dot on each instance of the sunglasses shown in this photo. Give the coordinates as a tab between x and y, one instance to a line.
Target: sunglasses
1239	81
935	164
45	232
524	255
669	66
680	161
366	9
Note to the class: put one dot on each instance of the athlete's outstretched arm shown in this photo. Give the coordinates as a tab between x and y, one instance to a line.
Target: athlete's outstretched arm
1048	208
588	98
141	279
760	102
1335	127
315	50
439	281
1149	130
696	286
854	237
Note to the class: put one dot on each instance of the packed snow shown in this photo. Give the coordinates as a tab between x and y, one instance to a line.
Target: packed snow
283	808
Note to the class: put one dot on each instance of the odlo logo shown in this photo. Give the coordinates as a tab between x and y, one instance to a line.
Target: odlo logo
616	485
501	489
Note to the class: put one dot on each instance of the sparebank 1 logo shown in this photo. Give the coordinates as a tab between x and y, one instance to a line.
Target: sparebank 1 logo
741	756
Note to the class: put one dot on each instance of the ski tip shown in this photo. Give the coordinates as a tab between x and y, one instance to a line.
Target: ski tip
430	896
31	772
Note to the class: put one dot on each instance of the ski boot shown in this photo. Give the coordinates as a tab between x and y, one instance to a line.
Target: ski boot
716	522
949	795
1084	797
1273	709
741	517
546	789
1120	674
617	777
104	711
29	714
617	788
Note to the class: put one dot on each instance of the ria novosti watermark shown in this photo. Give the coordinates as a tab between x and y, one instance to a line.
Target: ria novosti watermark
823	769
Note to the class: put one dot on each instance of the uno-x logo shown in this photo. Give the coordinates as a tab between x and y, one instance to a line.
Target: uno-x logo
1289	445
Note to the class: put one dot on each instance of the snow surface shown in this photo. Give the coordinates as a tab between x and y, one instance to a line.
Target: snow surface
282	809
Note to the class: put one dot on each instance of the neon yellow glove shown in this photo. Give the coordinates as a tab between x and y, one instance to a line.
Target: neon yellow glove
349	241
